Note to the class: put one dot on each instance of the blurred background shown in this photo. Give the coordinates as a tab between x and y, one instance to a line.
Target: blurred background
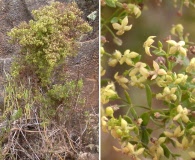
155	20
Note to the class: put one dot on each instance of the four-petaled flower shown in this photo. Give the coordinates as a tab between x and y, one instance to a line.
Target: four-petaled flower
157	71
147	44
182	113
138	81
177	47
177	133
184	143
121	80
122	27
127	57
139	68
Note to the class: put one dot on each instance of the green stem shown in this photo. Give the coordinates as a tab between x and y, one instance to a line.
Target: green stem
110	31
167	59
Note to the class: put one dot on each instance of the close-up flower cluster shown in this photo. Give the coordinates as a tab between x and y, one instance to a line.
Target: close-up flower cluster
162	71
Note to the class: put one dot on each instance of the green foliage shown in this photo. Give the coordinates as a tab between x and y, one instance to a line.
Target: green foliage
49	38
64	93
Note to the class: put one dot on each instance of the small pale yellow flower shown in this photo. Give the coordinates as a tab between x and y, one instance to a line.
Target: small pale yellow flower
177	47
115	58
122	27
182	113
132	8
184	143
156	149
127	57
147	44
157	71
139	68
139	121
121	80
177	29
191	67
138	81
177	133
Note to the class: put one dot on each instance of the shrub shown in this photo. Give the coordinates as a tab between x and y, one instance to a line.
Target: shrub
48	39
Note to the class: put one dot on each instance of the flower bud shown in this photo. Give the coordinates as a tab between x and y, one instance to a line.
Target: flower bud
109	111
117	41
123	124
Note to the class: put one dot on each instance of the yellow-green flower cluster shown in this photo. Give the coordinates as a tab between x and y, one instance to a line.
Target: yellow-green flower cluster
171	78
168	95
49	38
117	127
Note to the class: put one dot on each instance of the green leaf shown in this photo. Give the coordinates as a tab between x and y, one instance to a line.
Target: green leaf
145	137
167	152
111	3
149	95
145	117
127	97
190	125
133	113
114	20
128	119
159	52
